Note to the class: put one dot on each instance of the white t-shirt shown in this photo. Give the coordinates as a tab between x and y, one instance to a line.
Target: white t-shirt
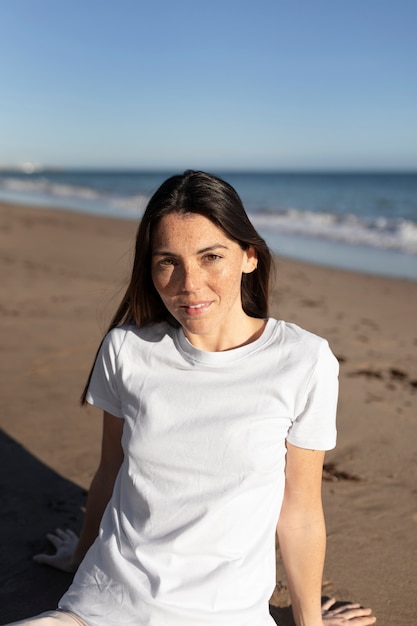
188	538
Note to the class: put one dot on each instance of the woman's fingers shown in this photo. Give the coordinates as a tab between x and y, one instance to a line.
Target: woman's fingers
64	542
353	614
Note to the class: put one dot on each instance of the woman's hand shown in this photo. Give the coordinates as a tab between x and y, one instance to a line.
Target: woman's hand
65	543
346	614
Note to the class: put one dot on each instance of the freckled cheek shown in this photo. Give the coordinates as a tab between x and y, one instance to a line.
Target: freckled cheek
159	281
230	279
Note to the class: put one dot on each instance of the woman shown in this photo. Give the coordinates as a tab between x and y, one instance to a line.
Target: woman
216	419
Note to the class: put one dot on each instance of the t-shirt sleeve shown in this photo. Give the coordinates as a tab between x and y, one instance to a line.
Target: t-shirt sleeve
103	390
314	427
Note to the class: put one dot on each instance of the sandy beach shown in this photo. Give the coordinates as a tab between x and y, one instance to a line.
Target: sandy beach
61	277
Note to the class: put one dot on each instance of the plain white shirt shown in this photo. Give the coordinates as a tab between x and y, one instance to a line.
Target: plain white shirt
188	538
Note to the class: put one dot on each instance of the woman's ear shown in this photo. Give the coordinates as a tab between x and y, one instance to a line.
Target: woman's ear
250	262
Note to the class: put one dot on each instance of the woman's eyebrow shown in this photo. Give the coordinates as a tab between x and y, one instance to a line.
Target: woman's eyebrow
215	246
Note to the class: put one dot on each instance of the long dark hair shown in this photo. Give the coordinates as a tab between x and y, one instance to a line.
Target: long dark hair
212	197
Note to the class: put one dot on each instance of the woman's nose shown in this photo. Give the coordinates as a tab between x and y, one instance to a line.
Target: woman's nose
191	277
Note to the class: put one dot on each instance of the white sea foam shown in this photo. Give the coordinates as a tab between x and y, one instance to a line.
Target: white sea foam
394	234
77	195
398	234
43	185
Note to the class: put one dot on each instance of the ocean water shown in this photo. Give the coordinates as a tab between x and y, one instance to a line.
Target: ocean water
363	221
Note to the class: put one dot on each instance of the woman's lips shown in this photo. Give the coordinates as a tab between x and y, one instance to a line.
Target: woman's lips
195	309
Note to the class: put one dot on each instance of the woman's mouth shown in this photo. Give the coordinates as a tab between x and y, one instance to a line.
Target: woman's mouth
193	310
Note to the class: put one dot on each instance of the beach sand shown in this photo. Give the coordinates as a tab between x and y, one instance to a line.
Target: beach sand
61	276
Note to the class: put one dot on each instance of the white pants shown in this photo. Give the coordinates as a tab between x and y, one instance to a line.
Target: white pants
51	618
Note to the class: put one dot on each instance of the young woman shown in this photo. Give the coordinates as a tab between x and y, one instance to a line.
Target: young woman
216	419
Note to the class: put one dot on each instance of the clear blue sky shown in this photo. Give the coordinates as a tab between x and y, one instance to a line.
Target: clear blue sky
216	83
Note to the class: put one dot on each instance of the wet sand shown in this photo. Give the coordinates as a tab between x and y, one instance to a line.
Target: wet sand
61	276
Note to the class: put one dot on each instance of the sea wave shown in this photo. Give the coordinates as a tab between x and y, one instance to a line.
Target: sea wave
380	232
78	195
43	185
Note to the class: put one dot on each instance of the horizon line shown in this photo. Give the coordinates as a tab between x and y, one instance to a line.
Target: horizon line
29	169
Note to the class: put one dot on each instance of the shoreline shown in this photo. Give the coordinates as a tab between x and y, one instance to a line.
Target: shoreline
377	261
62	274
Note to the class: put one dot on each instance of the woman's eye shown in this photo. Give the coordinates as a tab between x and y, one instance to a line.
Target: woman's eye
166	262
211	258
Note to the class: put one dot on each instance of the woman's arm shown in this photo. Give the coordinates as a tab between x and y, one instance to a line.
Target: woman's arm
70	551
102	484
302	533
302	538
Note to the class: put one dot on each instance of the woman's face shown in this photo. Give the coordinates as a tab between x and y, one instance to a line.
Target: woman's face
197	272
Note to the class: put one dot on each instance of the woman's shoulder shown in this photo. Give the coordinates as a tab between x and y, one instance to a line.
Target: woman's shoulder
291	333
133	333
302	346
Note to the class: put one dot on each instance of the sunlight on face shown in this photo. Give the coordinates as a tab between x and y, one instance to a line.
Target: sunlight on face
197	271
